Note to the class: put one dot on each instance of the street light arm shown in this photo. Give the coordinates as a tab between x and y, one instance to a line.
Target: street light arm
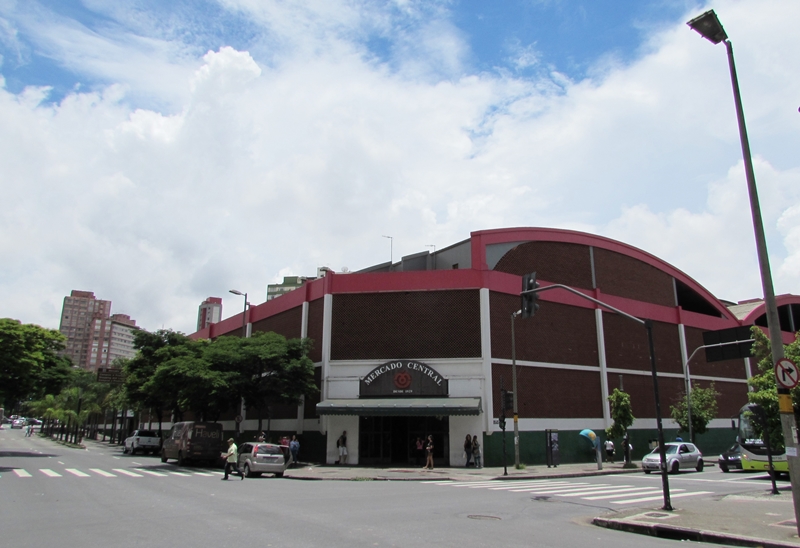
587	297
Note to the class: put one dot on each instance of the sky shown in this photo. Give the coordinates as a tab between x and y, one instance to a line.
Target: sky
158	153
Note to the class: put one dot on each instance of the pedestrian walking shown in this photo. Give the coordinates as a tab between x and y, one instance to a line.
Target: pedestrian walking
232	460
476	452
609	445
341	446
294	447
468	450
262	437
429	453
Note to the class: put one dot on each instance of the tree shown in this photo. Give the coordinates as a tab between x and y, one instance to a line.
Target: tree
704	410
622	415
153	350
265	369
25	351
764	387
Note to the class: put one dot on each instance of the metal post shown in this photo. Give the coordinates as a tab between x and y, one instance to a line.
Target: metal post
788	425
648	324
514	389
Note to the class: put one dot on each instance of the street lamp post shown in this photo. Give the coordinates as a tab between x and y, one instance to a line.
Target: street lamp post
244	336
514	388
709	26
391	250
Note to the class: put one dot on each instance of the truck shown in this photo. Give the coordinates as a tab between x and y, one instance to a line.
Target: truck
143	441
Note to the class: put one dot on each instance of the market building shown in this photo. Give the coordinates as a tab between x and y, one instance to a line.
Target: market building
424	345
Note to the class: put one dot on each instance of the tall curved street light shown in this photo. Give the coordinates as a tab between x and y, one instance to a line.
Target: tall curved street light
710	28
244	336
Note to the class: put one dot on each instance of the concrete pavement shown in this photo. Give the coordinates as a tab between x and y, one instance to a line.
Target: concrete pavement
755	518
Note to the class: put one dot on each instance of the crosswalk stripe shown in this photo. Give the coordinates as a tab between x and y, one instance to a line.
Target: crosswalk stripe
636	491
77	473
127	473
50	473
672	496
184	474
22	473
203	474
532	486
546	490
102	473
150	472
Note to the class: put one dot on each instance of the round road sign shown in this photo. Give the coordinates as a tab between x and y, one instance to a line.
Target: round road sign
786	373
239	418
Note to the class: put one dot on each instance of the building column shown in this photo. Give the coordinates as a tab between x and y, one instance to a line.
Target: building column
601	358
486	359
327	324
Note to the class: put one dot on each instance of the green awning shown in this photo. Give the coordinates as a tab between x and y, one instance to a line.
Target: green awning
401	407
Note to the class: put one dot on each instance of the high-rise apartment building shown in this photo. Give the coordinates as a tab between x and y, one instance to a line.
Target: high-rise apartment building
94	337
210	311
290	283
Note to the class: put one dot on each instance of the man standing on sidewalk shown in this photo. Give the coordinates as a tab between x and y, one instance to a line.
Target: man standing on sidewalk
232	460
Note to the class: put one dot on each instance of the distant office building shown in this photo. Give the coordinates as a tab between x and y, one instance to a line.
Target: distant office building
290	283
94	337
210	311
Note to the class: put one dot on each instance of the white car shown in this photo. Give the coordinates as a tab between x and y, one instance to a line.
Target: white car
143	441
680	456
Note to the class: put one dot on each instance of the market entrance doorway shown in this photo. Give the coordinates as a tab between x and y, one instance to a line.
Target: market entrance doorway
392	440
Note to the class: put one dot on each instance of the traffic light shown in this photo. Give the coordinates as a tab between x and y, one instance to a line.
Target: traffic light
529	304
502	422
508	400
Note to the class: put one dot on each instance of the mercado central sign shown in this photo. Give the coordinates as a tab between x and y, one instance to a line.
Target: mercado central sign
405	378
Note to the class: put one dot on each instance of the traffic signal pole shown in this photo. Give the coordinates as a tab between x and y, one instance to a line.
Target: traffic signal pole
514	389
529	295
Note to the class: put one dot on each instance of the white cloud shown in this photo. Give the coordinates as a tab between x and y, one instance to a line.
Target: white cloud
259	169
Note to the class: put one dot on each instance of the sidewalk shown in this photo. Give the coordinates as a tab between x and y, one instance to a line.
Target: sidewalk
754	518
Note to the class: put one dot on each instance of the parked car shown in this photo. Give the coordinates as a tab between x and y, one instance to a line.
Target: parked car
34	422
142	440
256	458
193	441
18	423
680	456
731	459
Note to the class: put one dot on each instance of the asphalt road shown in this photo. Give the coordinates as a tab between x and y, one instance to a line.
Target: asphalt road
52	495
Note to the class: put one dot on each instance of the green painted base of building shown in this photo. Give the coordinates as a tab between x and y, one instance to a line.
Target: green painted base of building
574	448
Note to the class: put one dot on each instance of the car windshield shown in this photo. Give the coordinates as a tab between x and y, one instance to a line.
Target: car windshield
147	434
669	450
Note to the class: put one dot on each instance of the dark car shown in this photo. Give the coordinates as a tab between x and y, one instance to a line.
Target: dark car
193	442
731	459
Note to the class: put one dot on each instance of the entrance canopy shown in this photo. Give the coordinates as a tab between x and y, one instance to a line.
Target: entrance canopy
401	407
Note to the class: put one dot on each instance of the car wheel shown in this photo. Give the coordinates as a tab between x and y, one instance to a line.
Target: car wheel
647	471
278	474
247	472
133	449
180	459
699	466
163	456
124	449
724	468
675	467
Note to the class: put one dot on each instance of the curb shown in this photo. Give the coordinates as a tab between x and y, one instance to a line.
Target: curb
450	477
672	532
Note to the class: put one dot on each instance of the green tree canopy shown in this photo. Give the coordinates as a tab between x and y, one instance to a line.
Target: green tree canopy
621	413
28	361
704	409
764	387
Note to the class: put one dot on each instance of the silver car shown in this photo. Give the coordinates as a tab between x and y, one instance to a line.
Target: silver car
680	456
256	458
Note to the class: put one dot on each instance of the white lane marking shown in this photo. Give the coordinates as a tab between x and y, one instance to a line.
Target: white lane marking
102	473
203	474
136	463
22	473
546	489
648	499
50	473
184	474
217	473
159	474
590	491
131	474
626	493
534	486
77	473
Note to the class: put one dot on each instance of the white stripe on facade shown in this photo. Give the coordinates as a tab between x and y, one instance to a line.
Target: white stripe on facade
486	358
